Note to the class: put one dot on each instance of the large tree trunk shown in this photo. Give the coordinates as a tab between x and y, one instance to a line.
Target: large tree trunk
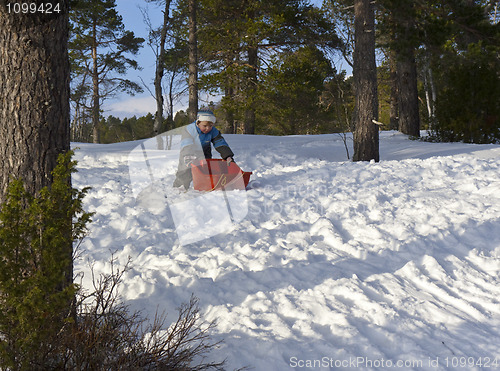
193	62
403	16
366	136
34	95
409	118
394	106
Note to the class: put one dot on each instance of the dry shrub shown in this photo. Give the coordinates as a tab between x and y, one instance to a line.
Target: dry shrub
106	335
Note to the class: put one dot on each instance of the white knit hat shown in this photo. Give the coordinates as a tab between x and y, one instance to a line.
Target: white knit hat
206	116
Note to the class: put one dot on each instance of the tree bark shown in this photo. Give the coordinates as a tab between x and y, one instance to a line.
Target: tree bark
230	123
430	92
409	118
253	60
160	68
96	105
366	136
193	62
394	106
403	17
34	95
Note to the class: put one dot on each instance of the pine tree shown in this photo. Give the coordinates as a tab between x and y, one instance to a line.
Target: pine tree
99	46
236	36
399	19
159	39
366	138
465	67
289	95
193	58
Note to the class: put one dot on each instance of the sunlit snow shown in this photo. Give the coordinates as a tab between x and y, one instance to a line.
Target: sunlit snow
336	265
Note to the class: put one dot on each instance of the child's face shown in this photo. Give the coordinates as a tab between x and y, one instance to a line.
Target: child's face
205	126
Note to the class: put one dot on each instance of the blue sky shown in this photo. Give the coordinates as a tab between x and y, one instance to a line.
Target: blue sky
125	105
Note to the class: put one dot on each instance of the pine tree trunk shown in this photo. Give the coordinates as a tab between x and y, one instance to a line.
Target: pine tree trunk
158	96
34	95
366	136
193	62
230	123
253	60
160	67
409	118
171	97
394	106
428	97
430	92
96	106
230	98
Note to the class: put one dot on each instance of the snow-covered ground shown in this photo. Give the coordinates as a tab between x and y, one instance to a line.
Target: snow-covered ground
336	265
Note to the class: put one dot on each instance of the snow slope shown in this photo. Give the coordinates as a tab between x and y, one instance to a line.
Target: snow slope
337	265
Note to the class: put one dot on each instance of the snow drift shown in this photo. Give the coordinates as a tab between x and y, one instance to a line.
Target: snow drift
336	265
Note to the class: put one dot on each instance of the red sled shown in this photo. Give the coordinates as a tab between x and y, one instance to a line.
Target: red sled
214	174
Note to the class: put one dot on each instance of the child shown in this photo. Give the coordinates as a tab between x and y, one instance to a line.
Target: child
203	132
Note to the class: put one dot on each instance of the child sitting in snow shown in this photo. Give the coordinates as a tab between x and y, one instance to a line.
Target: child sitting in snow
202	129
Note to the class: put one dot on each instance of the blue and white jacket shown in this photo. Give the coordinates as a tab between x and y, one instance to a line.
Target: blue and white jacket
191	135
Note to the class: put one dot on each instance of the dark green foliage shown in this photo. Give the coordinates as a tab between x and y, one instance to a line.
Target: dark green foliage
338	101
181	119
247	51
463	57
237	40
36	283
468	105
289	96
114	130
456	46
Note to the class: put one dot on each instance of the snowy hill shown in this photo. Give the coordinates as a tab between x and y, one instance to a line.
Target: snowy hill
335	265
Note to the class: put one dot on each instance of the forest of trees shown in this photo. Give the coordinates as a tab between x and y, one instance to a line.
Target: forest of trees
416	64
272	65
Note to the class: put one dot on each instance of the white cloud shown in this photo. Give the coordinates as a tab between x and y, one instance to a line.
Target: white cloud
128	107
